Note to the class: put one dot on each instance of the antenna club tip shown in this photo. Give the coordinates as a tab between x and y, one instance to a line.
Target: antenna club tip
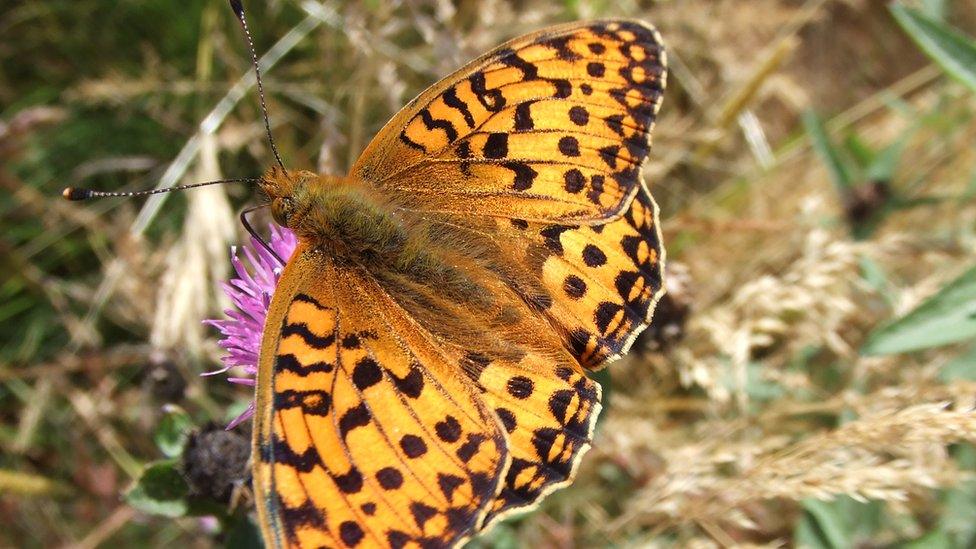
74	193
237	7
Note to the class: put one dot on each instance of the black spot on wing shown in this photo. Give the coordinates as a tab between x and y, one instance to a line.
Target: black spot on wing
524	175
448	430
597	183
351	533
413	446
569	146
508	418
574	286
594	256
390	478
349	483
563	88
412	384
579	115
366	373
496	146
352	418
520	387
574	181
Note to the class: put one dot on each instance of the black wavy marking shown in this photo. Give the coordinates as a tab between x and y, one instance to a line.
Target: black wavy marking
411	143
451	100
289	363
432	123
305	298
301	330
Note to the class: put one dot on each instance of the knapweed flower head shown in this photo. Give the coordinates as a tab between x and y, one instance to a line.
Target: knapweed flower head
250	292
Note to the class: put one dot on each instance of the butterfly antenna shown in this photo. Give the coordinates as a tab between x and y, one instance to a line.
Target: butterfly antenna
239	12
78	193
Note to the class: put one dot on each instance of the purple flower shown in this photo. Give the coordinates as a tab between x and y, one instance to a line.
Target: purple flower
250	292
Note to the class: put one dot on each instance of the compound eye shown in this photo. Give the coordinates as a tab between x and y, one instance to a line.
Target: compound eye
281	209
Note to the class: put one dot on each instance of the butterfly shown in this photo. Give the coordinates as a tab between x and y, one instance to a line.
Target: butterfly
423	367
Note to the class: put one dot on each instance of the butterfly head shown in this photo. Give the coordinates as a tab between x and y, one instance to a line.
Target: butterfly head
287	191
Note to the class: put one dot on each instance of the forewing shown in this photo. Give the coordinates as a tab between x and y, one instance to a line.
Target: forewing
550	127
360	439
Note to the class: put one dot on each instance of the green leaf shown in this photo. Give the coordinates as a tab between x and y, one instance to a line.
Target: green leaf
936	9
959	508
875	276
160	490
173	431
885	162
947	317
840	523
954	52
839	172
823	525
962	367
860	151
242	533
936	539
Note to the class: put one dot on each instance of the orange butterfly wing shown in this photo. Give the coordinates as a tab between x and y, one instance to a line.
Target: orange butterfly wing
552	126
376	429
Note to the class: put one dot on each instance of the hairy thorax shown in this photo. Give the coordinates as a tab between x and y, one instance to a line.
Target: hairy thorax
342	218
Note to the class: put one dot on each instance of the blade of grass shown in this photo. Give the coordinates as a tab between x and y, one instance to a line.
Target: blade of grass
947	317
954	52
840	174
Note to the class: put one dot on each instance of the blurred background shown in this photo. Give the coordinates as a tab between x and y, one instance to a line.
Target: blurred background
810	379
